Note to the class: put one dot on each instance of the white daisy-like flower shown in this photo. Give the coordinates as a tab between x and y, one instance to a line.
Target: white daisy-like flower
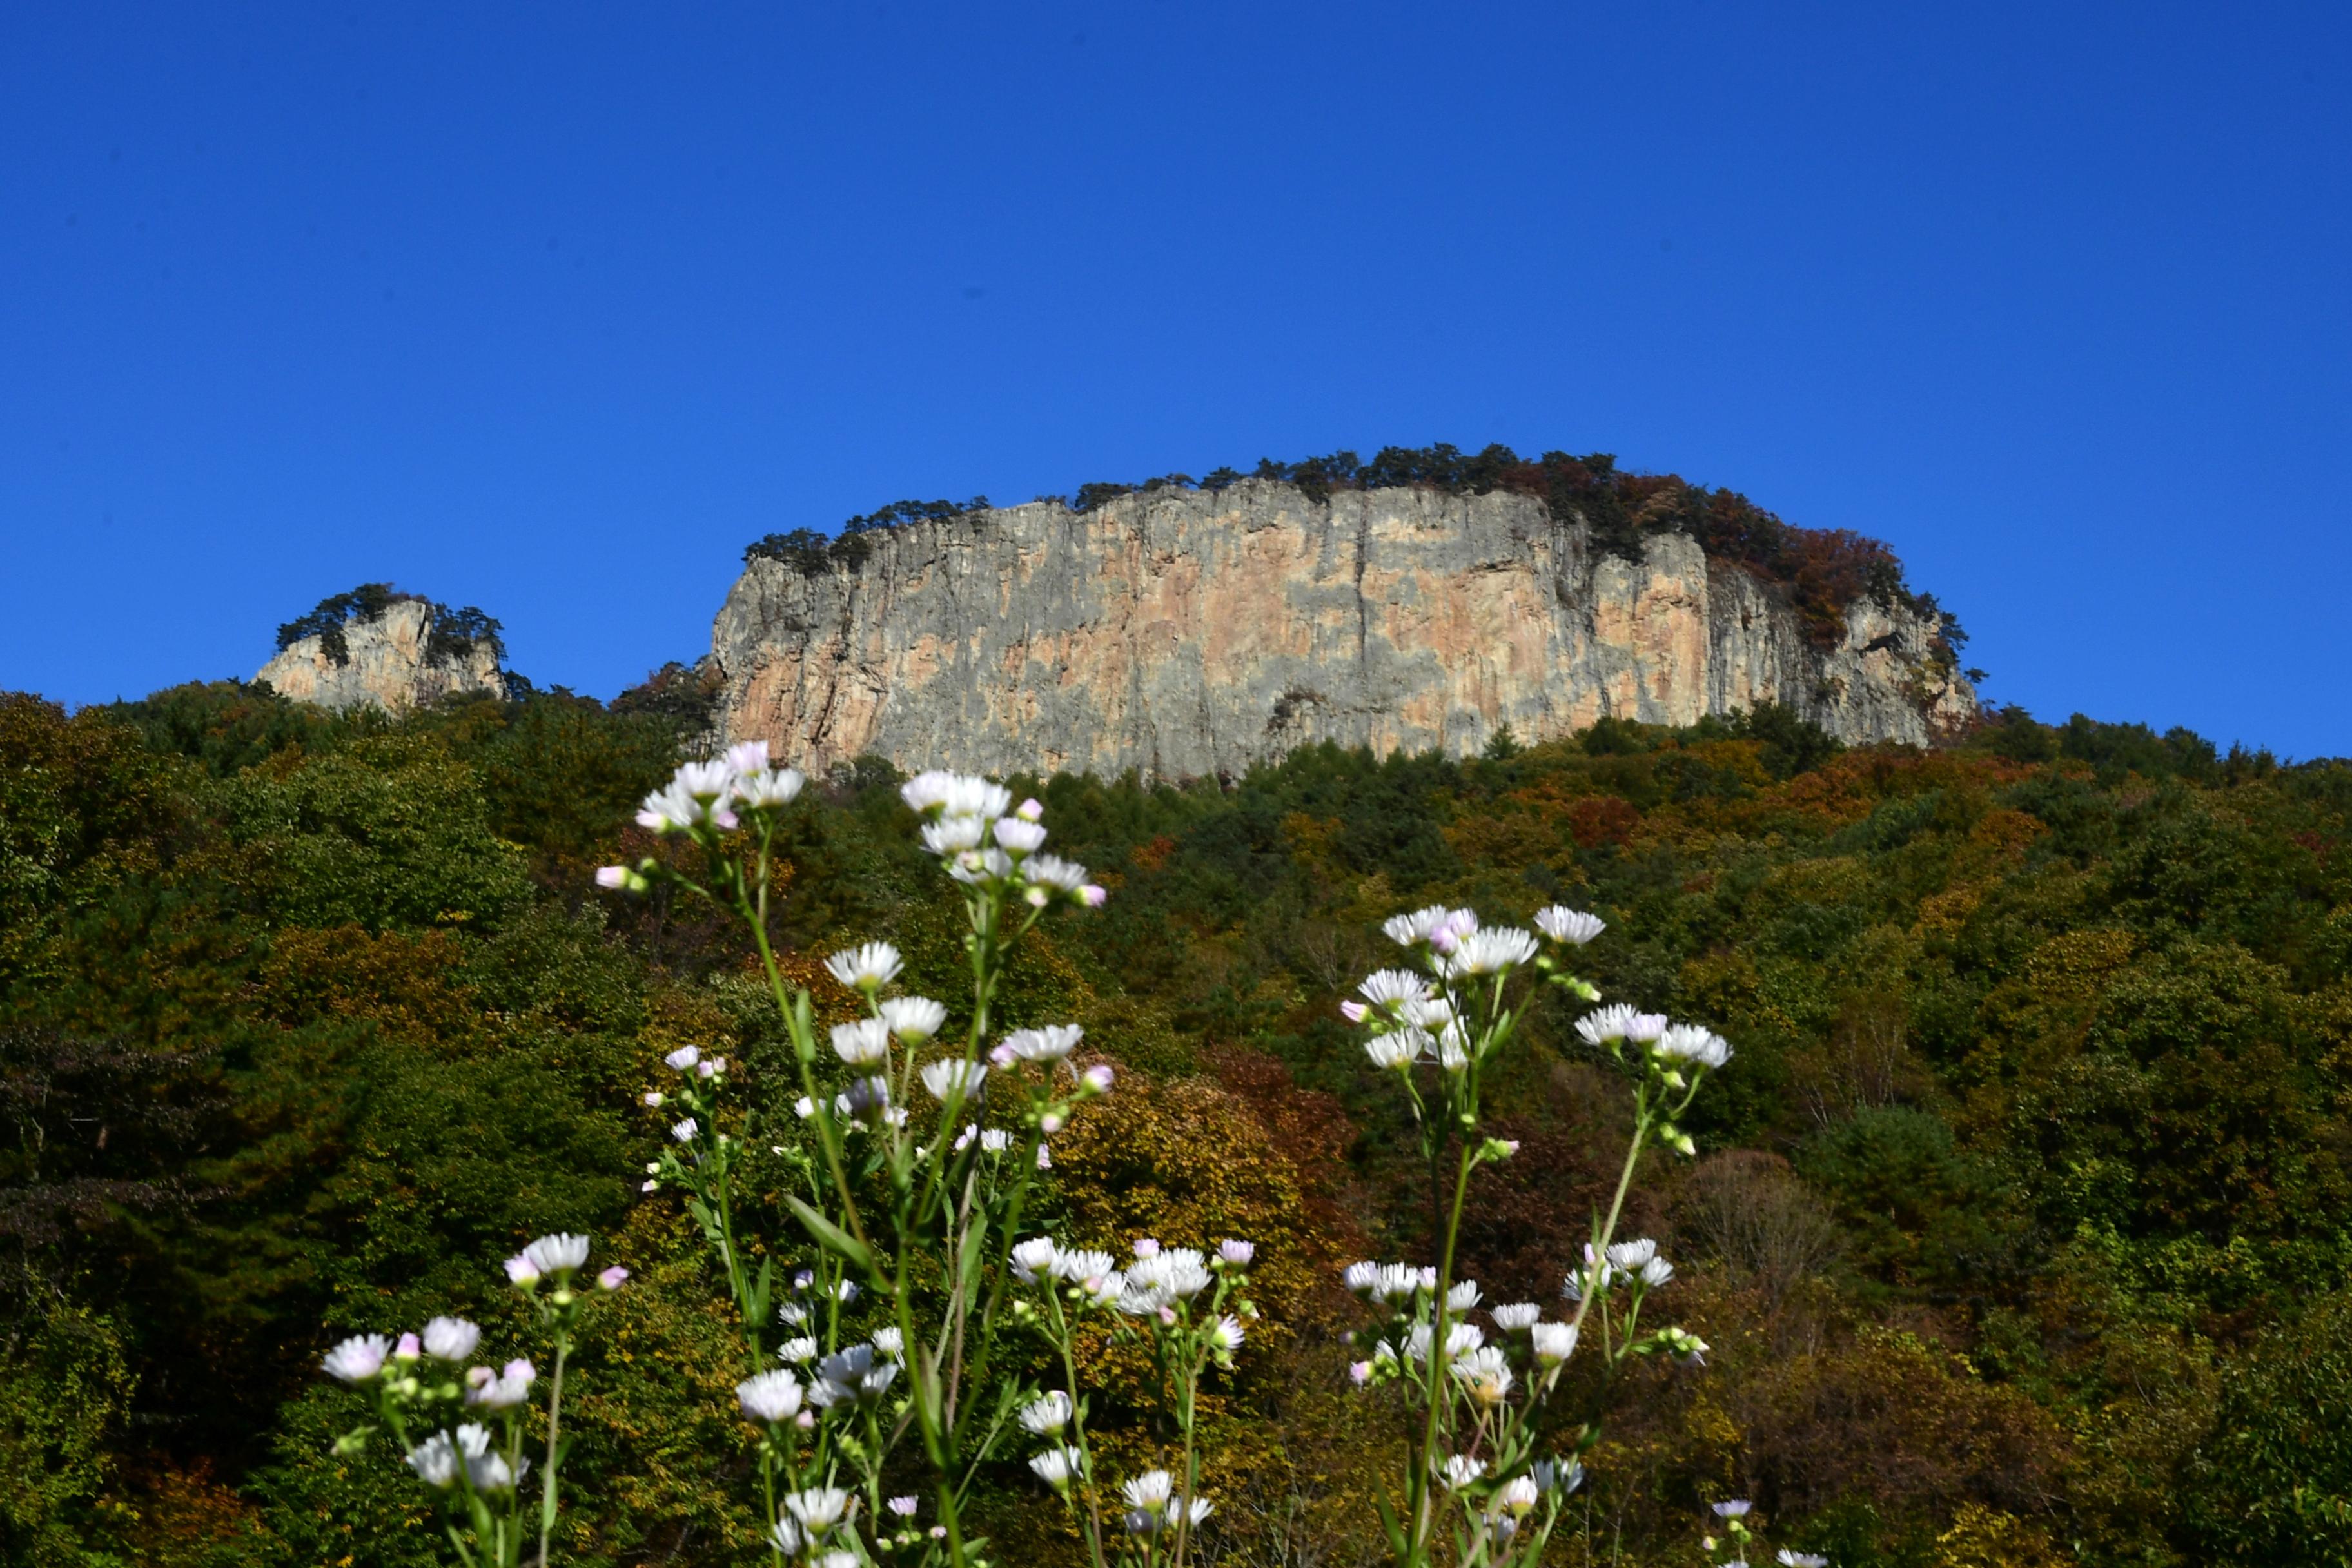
787	1537
1181	1271
1518	1495
1042	1416
1627	1256
1227	1334
1035	1256
767	789
746	756
1055	1467
770	1397
683	1059
1236	1254
487	1470
1691	1043
1734	1507
1407	930
1082	1265
674	808
1573	927
451	1339
953	835
976	866
1490	951
1149	1492
684	1131
1484	1374
1462	1471
891	1341
1360	1278
1605	1024
862	1044
1051	1043
1018	835
1654	1273
1461	1339
1387	987
818	1508
558	1253
435	1460
1052	871
1553	1342
1515	1316
1396	1052
1787	1559
913	1019
1462	1295
801	1351
954	1077
866	967
996	1141
956	795
357	1359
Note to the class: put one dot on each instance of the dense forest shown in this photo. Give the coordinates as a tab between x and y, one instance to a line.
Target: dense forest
2017	1227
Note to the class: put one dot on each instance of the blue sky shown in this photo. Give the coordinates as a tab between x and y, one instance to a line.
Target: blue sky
552	309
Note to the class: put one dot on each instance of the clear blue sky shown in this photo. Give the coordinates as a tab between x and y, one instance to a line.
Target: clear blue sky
552	309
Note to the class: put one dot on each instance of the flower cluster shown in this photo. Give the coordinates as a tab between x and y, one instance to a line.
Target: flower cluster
1675	1057
984	840
461	1427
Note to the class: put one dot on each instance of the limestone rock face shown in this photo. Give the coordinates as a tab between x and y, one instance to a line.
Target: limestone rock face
389	662
1185	633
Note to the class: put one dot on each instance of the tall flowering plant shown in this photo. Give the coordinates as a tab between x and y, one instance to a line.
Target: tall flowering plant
916	1137
1476	1472
469	1433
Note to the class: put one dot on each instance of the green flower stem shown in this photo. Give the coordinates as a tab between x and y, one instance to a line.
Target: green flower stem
547	1494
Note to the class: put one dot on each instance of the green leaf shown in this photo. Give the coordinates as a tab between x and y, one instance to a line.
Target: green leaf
831	1234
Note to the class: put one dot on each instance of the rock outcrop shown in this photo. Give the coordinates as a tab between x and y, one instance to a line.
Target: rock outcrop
388	659
1185	633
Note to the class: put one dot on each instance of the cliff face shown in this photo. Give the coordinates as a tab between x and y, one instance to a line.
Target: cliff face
1185	633
389	663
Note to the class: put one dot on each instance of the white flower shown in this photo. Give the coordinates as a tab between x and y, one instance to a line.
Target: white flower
862	1044
904	1507
1485	1373
818	1508
1490	951
802	1350
1787	1559
1737	1508
1620	1022
1048	1415
1019	835
1421	925
1627	1256
853	1375
558	1253
891	1341
1453	1047
357	1359
1462	1295
1553	1475
1226	1334
1051	1043
684	1130
1055	1467
1396	1052
770	1397
1387	987
1461	1339
953	835
954	1079
486	1469
996	1141
509	1387
1037	1255
747	756
1149	1492
956	795
1691	1043
1516	1316
1553	1342
976	866
765	789
451	1339
1573	927
691	797
1176	1273
1362	1278
1236	1254
787	1537
913	1019
866	967
683	1059
435	1460
1655	1272
1052	871
1461	1470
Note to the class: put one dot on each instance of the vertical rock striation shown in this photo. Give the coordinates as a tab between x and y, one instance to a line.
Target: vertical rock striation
1185	633
388	660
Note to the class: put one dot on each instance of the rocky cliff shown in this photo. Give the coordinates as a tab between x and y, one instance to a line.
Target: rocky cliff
387	658
1183	633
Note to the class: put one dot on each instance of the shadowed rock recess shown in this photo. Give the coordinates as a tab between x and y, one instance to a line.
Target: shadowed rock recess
1186	633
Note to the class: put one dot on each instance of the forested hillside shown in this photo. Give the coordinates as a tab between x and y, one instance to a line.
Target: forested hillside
2018	1224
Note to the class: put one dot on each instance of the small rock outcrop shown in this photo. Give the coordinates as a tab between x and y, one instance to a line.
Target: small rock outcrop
1183	633
398	653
